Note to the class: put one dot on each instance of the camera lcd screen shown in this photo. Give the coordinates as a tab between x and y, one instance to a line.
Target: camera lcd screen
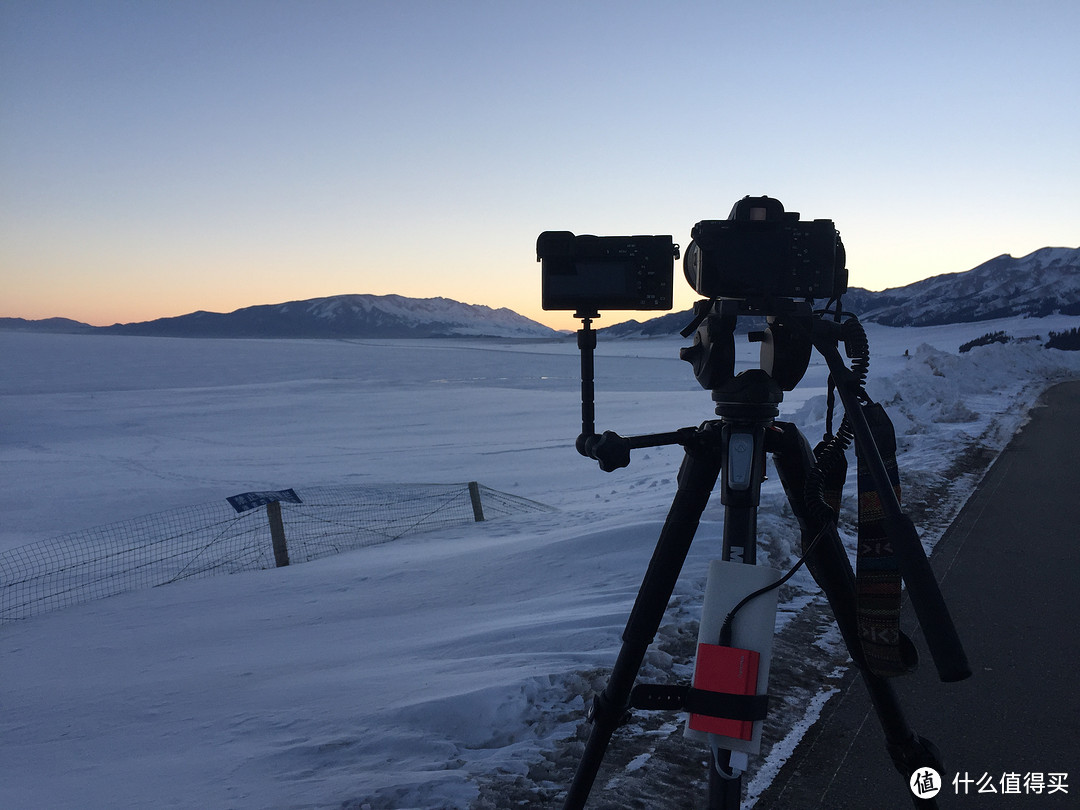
589	285
601	278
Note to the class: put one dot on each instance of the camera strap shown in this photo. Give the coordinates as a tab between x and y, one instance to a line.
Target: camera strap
878	583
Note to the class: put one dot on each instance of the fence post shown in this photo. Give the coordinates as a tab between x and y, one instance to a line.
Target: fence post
474	495
277	533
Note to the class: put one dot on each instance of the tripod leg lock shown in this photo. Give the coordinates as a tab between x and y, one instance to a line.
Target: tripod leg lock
606	713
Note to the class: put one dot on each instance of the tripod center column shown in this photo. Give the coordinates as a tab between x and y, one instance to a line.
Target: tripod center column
746	404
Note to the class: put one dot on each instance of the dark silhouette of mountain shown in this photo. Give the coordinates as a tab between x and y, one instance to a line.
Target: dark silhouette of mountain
342	316
64	325
347	316
1041	283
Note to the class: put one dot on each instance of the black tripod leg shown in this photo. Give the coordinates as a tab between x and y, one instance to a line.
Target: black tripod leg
829	564
697	476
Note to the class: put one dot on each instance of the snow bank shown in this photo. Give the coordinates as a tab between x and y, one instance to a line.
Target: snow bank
410	674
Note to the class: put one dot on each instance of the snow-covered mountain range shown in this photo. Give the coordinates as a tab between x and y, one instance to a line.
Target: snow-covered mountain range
340	316
1041	283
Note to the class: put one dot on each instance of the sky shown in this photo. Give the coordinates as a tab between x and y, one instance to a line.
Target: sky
158	158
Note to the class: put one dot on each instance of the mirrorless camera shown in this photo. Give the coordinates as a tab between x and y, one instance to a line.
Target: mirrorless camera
591	273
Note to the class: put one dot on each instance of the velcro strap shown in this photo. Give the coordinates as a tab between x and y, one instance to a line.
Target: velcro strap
655	696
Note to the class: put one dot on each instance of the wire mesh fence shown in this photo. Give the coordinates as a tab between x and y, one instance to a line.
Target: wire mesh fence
215	538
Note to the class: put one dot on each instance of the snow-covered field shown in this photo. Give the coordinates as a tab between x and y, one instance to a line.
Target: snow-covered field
424	673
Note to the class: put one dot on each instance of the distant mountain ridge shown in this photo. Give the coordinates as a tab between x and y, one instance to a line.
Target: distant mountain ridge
1039	284
348	316
335	317
62	325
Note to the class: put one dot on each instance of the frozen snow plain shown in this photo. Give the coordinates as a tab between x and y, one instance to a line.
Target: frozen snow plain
412	674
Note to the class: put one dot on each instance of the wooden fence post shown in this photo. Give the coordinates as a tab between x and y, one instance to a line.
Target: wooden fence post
277	533
477	507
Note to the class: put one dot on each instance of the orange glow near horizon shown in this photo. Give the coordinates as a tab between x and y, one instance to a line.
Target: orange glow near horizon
102	299
313	150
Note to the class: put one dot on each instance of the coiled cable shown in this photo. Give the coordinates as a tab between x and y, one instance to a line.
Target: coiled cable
830	453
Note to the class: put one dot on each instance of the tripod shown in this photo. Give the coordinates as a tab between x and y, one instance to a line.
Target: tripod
733	449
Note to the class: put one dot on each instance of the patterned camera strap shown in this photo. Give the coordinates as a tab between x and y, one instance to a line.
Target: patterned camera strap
878	584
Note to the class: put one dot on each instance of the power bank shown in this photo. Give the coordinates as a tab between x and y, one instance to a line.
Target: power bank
731	671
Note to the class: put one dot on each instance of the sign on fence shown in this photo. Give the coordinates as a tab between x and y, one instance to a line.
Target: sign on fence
251	500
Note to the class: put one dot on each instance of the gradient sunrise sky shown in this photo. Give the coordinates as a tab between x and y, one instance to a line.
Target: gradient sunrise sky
158	158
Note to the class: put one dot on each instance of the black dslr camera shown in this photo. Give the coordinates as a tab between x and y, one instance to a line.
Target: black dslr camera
761	252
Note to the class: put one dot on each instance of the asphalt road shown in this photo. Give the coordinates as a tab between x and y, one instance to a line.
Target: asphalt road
1009	568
